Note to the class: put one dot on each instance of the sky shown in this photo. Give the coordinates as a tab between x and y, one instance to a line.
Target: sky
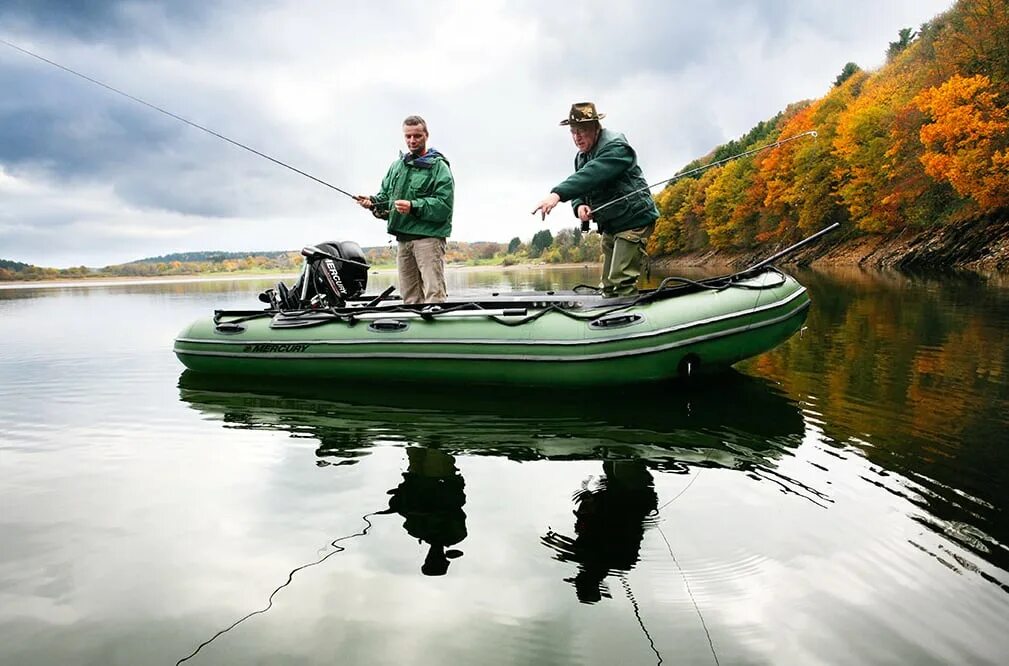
88	177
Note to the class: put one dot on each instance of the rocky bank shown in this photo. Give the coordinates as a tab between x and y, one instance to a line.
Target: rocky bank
980	245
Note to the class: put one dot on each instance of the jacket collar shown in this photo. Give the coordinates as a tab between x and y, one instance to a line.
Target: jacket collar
425	161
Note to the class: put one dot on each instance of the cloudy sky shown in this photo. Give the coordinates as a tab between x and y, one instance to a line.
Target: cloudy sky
89	177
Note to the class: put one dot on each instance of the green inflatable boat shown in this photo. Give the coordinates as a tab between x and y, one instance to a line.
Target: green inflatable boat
323	328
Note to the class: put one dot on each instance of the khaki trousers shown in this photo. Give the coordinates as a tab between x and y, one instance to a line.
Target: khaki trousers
622	256
421	266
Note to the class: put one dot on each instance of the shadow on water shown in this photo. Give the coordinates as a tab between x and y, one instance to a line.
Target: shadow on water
610	522
430	499
733	422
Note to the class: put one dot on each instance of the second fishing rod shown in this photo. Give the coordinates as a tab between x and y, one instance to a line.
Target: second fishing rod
691	172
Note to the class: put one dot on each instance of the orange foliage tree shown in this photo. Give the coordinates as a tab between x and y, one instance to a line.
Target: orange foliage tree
967	139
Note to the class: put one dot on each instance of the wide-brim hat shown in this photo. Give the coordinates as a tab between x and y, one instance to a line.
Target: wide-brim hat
582	112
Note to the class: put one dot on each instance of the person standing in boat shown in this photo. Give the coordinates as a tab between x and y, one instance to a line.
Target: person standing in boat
416	198
607	178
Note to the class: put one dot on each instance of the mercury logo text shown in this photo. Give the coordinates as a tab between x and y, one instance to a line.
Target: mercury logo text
271	347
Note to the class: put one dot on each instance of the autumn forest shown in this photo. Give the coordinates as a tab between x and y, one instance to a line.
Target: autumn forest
922	141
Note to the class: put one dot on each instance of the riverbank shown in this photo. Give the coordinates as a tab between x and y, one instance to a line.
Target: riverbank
980	246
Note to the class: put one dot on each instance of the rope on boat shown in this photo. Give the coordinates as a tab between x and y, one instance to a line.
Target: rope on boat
305	318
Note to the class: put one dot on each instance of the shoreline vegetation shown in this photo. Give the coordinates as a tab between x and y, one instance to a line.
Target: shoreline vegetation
912	160
108	279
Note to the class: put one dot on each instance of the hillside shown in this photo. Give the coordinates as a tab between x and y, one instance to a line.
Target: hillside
919	148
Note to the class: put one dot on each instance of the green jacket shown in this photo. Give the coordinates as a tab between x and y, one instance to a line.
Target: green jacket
426	182
607	172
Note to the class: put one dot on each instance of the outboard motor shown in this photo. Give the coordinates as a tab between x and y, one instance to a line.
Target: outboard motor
333	273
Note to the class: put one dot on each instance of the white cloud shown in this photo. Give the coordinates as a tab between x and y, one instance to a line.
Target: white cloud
324	89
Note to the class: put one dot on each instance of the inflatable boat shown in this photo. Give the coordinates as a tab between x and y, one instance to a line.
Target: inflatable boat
323	327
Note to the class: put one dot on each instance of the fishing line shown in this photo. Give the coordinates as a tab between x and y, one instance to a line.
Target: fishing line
637	614
754	151
691	594
686	583
685	489
177	117
290	577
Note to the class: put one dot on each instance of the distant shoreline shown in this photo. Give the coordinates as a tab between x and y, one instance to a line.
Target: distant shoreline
105	281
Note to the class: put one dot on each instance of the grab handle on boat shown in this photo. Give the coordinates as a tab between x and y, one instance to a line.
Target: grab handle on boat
229	327
617	321
387	325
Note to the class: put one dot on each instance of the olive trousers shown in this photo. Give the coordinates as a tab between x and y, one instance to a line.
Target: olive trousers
623	253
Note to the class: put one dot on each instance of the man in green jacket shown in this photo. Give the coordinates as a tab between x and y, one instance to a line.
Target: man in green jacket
416	198
608	187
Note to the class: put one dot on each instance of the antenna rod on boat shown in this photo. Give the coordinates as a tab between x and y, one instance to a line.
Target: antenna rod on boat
790	249
707	166
177	117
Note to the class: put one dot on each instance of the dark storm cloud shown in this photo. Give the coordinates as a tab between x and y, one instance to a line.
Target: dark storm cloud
75	134
87	20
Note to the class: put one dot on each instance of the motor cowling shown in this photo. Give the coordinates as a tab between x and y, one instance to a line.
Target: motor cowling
338	271
334	272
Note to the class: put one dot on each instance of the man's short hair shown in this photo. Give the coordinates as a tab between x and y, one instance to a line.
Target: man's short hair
415	120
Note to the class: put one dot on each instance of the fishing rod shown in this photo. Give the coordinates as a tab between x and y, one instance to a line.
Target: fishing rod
177	117
707	166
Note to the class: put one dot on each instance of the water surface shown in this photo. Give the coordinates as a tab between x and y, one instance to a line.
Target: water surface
839	500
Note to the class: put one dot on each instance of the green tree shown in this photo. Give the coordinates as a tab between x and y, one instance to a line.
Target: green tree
513	245
541	241
846	73
904	38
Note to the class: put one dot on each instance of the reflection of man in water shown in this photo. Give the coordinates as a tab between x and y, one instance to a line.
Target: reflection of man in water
609	523
431	498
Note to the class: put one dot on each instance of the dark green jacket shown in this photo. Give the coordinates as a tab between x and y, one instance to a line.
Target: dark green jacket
607	172
426	182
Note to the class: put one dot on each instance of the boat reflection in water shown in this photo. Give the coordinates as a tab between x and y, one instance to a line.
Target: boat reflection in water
610	522
730	422
430	499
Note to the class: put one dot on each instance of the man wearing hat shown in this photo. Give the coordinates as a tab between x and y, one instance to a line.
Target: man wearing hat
608	187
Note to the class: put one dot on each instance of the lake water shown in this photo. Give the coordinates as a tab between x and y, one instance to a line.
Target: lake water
841	500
